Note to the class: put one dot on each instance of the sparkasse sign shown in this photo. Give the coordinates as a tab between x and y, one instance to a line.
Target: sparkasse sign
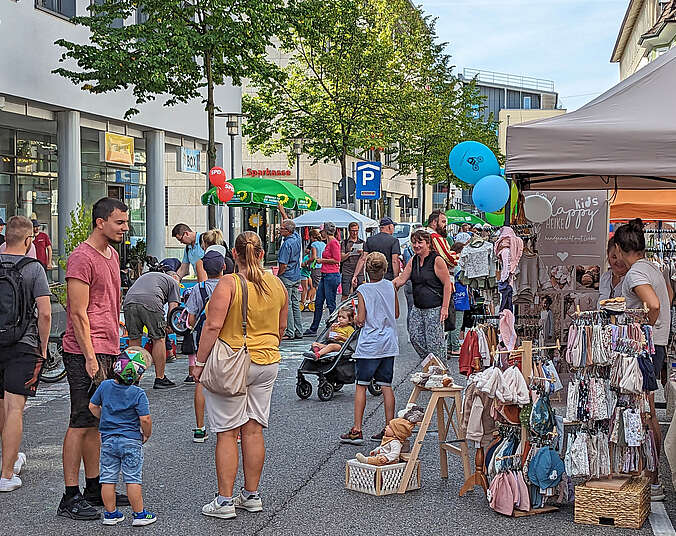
268	172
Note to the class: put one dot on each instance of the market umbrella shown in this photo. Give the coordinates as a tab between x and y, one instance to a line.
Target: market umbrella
251	191
459	217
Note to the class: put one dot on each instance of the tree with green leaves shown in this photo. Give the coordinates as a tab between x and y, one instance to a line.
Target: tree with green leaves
180	49
347	62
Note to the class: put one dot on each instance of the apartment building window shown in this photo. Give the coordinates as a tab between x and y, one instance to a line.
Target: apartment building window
66	8
141	16
526	103
117	23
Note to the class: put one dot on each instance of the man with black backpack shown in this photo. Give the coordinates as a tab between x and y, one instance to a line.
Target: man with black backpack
23	340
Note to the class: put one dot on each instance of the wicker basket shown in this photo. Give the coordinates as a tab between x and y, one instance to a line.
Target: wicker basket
383	480
626	507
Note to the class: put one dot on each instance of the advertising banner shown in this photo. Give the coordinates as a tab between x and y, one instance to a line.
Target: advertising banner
116	148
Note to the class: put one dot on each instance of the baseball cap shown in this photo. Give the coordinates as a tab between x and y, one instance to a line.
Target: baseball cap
130	365
172	264
218	248
35	223
213	262
2	222
386	221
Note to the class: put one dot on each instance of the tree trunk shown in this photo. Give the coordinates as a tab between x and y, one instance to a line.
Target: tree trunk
422	194
343	177
211	151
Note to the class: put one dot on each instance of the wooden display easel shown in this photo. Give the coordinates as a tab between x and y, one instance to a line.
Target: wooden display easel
437	403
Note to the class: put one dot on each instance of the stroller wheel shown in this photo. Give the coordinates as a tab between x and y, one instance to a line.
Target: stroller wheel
375	389
325	391
304	389
338	386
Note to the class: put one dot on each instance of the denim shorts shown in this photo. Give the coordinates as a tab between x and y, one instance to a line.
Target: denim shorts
120	453
381	370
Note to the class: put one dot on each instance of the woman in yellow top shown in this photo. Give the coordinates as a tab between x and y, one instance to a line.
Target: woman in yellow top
228	415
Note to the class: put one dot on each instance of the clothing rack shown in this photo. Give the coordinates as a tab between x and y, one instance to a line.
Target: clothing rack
659	231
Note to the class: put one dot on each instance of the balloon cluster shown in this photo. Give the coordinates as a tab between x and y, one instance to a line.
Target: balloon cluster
474	163
225	189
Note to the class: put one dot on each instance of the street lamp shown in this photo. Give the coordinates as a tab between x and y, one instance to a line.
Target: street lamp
412	182
232	124
298	149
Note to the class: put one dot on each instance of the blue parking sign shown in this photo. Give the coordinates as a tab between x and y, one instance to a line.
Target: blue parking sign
368	180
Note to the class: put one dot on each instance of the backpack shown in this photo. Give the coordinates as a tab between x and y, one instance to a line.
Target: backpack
191	339
17	308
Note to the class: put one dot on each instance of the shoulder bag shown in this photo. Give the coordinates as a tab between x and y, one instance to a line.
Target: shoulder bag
226	370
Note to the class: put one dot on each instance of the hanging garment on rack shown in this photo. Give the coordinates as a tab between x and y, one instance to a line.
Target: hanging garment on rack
477	423
476	259
507	332
508	240
515	390
470	358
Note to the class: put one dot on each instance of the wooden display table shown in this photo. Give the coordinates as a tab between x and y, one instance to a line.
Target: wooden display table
447	417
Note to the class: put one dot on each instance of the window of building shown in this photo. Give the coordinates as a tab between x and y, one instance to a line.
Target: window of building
65	8
141	16
117	23
526	103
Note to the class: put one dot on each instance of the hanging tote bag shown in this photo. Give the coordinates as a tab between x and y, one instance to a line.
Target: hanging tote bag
226	370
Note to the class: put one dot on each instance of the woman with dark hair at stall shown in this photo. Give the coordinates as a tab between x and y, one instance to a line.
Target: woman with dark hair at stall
644	284
610	283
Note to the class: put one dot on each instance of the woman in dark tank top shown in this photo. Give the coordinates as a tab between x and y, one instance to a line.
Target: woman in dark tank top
431	296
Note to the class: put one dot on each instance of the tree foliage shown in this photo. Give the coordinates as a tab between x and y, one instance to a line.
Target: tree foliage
180	49
347	62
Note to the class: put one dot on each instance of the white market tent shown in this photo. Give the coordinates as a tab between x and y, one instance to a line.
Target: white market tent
623	139
341	217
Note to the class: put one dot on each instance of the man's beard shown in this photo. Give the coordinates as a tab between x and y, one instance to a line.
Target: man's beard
441	231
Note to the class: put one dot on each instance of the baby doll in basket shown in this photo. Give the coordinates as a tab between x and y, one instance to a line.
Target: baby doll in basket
339	332
396	433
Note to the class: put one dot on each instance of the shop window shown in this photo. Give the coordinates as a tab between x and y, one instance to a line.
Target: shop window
7	207
526	103
7	164
65	8
6	141
34	198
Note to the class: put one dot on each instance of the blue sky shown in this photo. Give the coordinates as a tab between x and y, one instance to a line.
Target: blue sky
567	41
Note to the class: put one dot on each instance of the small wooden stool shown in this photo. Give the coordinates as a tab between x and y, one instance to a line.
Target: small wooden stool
437	403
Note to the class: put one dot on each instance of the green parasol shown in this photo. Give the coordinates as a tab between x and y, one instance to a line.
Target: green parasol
251	191
459	217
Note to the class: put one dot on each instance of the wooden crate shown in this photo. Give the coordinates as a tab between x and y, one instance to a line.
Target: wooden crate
383	480
627	506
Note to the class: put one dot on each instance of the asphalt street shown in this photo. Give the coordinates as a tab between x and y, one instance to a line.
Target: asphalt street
303	484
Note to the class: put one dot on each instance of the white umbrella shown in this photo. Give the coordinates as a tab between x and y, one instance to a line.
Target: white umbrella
340	217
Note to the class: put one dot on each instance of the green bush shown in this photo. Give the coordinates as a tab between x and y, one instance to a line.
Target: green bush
76	233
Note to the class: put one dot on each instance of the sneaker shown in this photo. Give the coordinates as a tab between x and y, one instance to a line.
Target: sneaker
252	504
199	435
163	383
20	463
112	518
213	509
76	507
656	492
361	458
311	307
302	307
379	436
352	437
309	333
143	518
189	379
10	484
93	497
171	358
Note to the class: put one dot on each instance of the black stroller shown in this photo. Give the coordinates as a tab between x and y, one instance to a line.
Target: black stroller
334	370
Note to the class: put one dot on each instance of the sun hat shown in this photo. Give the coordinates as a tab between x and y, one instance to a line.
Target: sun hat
218	248
546	468
130	365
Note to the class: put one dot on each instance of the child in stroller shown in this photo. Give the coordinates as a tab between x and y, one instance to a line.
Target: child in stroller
339	333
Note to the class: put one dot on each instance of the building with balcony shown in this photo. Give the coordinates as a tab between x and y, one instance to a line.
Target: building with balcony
647	31
61	146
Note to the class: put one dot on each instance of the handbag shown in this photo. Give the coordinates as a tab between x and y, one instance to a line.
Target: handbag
226	370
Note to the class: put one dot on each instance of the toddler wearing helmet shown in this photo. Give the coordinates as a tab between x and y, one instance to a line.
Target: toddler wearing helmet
125	424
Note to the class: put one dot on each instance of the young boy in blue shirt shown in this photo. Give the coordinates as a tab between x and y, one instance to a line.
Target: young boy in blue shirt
125	424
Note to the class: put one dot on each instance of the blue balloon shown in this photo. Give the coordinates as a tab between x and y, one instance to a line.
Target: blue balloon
471	161
491	193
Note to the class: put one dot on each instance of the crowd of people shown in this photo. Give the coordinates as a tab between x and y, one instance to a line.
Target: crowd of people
250	312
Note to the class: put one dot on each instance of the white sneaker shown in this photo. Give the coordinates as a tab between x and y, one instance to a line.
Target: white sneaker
213	509
252	504
20	463
10	484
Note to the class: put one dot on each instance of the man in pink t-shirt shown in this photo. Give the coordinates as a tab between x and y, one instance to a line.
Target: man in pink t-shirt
328	284
91	345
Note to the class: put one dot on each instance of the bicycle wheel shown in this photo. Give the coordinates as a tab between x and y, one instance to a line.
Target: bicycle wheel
53	369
